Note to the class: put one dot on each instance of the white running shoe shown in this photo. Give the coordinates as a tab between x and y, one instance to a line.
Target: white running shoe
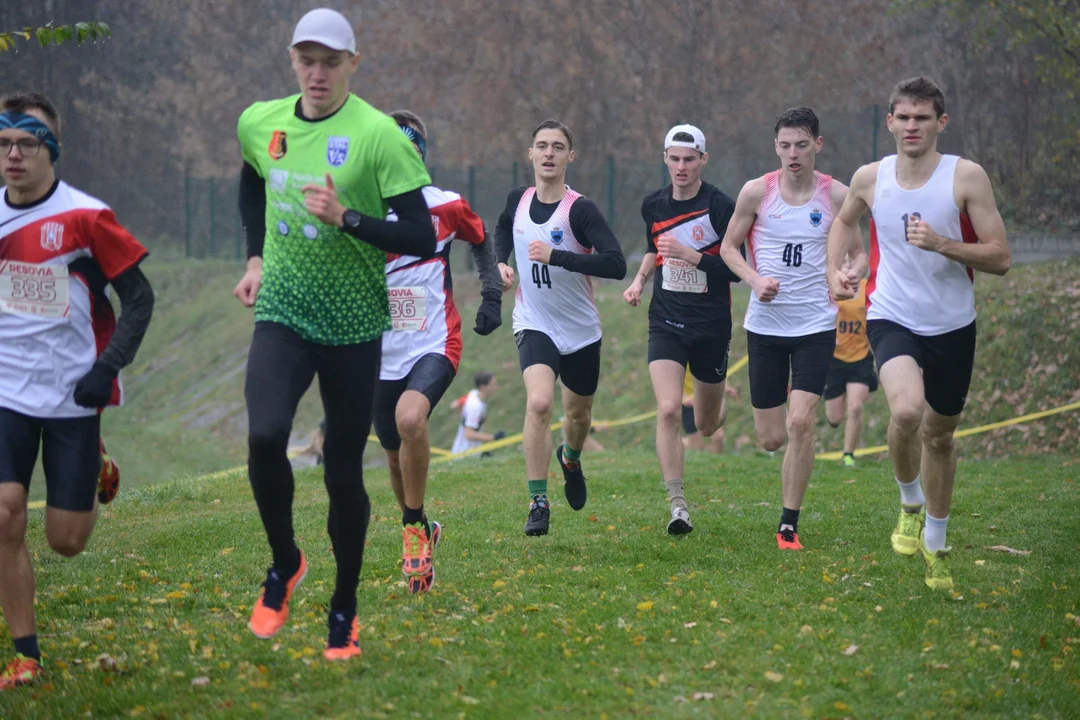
680	522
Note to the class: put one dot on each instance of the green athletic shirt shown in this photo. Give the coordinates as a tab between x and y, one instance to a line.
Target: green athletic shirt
326	285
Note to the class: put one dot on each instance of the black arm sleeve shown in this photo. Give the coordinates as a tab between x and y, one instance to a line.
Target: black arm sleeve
591	230
411	234
253	209
136	308
504	229
484	257
647	213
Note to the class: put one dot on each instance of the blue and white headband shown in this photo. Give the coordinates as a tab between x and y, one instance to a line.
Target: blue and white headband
417	140
30	124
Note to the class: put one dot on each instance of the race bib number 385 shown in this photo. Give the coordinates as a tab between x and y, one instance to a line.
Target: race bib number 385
408	308
681	276
34	290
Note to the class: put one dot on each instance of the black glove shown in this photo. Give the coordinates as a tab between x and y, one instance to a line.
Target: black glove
95	388
500	435
489	315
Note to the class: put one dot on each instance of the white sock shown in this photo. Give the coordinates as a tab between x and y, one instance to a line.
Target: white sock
934	532
911	493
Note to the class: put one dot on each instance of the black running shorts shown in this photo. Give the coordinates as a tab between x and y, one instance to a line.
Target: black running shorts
706	356
580	370
947	360
70	456
430	376
773	359
842	374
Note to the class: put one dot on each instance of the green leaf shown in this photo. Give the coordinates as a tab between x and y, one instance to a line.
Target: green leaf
44	35
63	34
103	30
5	42
82	29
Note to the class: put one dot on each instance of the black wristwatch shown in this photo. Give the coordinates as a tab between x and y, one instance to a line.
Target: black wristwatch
350	220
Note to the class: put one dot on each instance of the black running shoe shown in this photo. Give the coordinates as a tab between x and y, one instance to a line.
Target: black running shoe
539	513
574	481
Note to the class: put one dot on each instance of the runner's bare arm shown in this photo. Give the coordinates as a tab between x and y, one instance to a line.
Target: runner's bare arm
844	235
746	207
856	260
975	195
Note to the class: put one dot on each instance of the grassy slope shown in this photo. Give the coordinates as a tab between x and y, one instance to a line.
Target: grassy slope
606	617
186	413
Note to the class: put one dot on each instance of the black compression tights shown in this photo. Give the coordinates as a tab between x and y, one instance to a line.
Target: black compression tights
281	367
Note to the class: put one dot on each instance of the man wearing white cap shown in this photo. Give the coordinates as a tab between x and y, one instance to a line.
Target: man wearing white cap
784	219
321	171
690	311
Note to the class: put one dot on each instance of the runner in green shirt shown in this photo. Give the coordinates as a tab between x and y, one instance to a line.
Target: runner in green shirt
321	170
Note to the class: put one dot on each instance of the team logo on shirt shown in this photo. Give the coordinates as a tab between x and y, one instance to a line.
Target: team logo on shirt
815	217
279	179
557	236
698	233
435	224
278	146
337	149
52	236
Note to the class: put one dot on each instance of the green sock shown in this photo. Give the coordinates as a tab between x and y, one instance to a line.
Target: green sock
570	454
537	487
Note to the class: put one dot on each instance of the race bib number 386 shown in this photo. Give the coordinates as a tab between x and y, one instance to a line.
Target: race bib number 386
34	290
408	308
681	276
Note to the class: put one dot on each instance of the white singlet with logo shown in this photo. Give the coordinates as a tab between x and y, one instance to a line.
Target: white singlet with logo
473	415
924	291
550	299
788	243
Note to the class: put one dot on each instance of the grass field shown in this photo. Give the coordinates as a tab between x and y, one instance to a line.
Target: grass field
606	617
186	413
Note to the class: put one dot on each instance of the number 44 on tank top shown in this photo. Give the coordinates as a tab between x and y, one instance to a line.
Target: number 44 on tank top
541	276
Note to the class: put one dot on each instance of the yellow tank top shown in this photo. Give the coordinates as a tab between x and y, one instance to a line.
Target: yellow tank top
851	342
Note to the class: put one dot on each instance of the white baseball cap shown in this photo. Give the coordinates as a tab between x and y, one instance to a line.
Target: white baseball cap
326	27
697	144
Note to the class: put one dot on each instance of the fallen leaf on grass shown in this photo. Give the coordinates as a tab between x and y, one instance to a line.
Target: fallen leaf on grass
107	662
593	518
709	665
703	696
200	681
841	706
773	676
849	482
1007	549
806	630
469	700
689	625
645	605
980	562
940	666
679	699
851	650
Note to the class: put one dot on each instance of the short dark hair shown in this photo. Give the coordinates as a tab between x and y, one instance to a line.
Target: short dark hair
553	124
919	88
411	119
482	378
798	117
23	101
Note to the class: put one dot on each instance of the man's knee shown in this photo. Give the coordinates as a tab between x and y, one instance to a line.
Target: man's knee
412	422
268	437
711	425
799	425
938	440
12	523
540	405
668	412
578	415
906	416
772	440
67	541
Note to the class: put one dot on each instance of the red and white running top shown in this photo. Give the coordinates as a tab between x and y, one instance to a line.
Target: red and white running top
421	292
789	243
53	325
551	299
921	290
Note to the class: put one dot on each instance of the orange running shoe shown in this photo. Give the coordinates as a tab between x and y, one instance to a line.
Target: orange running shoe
108	483
788	539
272	608
416	552
20	671
344	640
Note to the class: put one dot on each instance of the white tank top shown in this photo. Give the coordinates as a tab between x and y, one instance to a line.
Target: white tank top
921	290
550	299
788	243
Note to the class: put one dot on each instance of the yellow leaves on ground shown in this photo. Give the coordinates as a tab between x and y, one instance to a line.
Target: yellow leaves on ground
645	606
773	676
